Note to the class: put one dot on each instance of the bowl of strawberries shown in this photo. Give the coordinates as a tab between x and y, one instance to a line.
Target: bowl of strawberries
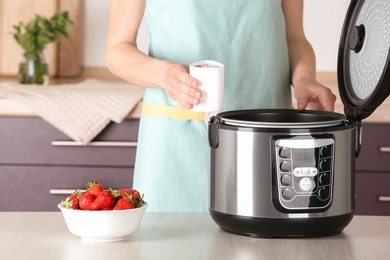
103	215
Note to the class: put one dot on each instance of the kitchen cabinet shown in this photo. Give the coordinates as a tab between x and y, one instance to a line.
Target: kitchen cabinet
373	170
39	165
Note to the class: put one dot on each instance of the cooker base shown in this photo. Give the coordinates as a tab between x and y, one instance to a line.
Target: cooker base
286	227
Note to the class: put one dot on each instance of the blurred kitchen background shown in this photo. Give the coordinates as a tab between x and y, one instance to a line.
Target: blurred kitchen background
323	21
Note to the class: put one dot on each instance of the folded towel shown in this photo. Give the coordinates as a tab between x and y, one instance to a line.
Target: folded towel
80	110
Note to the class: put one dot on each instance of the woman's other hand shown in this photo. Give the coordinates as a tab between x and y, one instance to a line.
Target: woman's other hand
315	96
307	91
180	85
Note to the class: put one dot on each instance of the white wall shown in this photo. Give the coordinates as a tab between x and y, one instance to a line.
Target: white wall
323	21
95	33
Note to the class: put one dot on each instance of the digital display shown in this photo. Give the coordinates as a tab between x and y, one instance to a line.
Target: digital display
304	157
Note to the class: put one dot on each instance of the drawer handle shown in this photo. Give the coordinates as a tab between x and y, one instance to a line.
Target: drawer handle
384	149
62	191
384	198
97	143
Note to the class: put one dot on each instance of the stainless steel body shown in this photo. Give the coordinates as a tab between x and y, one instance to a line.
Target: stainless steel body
282	173
243	173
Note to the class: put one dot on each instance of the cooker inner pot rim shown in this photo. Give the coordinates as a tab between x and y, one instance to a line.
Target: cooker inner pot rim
282	118
282	125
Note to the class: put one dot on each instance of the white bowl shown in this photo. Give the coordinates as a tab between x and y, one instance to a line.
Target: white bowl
103	225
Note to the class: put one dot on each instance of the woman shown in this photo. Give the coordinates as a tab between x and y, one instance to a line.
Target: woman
264	50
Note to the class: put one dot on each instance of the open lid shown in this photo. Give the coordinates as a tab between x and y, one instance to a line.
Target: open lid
363	60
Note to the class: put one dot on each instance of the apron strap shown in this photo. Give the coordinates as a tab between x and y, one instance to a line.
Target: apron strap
171	111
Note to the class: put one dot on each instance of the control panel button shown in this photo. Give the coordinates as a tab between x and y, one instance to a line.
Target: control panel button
326	151
288	194
285	166
324	192
306	184
325	165
284	152
305	171
324	178
286	180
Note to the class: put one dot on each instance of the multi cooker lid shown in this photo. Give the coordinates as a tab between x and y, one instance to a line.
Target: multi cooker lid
363	58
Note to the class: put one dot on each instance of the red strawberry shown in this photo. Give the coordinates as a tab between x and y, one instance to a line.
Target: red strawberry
72	201
86	200
94	187
74	198
135	196
104	200
135	193
124	203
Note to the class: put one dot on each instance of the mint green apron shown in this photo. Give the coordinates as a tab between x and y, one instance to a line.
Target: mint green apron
248	37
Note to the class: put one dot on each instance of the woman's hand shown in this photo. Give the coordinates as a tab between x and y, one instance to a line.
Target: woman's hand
312	95
180	86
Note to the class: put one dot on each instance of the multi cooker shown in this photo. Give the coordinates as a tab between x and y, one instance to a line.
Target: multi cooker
290	173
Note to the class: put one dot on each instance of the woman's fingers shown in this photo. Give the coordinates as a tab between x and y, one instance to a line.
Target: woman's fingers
181	87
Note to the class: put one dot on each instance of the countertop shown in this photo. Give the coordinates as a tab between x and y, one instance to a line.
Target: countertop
43	235
329	79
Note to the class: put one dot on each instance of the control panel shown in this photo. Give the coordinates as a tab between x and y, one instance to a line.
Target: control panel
303	172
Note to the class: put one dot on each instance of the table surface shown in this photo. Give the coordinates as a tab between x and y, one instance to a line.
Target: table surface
44	235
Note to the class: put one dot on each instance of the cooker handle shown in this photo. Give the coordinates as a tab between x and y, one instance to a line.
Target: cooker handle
358	137
213	131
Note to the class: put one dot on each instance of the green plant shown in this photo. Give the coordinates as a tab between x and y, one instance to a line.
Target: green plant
33	37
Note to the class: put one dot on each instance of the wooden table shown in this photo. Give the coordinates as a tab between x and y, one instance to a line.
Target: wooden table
44	235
